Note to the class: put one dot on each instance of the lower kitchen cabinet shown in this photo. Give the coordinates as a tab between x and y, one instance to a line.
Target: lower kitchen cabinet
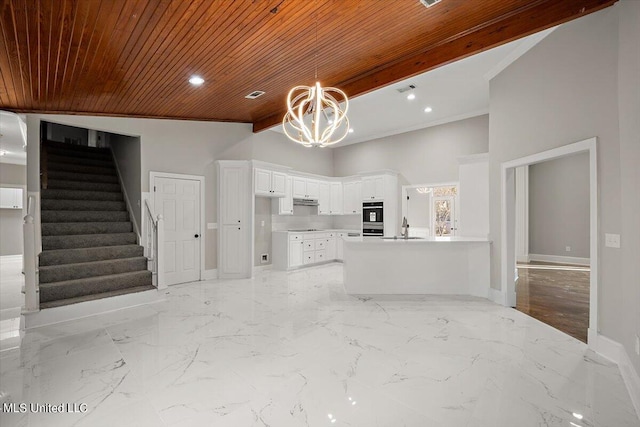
292	250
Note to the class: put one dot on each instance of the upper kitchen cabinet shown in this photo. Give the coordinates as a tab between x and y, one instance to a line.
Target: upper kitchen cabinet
285	204
336	206
352	197
269	183
324	198
305	188
373	188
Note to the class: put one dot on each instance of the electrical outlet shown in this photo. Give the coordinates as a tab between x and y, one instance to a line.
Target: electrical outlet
567	248
637	345
612	240
264	258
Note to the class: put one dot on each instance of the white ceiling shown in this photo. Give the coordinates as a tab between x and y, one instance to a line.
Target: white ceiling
13	138
454	92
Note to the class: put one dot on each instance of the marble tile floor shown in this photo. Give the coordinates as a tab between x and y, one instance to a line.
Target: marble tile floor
292	349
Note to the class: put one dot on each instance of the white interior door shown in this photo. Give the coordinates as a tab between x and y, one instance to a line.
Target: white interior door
178	201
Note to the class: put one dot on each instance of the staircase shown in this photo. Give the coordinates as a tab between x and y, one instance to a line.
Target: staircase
89	249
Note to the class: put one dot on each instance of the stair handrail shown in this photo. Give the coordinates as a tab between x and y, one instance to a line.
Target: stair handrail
154	233
31	285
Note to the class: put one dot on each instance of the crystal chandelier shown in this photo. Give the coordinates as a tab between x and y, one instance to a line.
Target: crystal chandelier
314	117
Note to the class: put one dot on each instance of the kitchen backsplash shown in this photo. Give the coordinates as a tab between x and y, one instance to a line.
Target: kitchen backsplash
307	217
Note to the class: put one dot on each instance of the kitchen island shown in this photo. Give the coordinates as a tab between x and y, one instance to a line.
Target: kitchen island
436	265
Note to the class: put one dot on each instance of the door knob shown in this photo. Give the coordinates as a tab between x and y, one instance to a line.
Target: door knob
196	236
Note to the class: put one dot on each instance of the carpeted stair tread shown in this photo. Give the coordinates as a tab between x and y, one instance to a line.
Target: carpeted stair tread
55	145
82	205
87	241
80	155
56	291
83	185
71	228
74	176
73	256
64	272
84	216
54	193
79	168
106	162
68	301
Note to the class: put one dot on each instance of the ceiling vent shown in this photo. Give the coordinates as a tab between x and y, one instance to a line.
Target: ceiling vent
406	88
429	3
255	94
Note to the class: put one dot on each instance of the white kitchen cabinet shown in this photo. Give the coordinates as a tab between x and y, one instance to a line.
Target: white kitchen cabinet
269	183
352	197
336	206
340	246
11	198
330	246
373	188
305	188
324	198
296	253
234	201
285	204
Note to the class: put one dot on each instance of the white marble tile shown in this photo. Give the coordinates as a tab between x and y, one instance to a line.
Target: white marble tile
292	349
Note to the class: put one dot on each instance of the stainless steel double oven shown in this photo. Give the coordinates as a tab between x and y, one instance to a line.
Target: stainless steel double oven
372	219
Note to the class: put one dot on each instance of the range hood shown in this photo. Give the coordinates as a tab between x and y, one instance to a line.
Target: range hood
305	202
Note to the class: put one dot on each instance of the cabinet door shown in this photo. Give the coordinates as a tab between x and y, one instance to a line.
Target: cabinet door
368	189
278	184
232	192
313	189
339	247
378	187
232	244
324	198
330	247
299	188
336	206
352	197
286	202
262	180
295	253
357	202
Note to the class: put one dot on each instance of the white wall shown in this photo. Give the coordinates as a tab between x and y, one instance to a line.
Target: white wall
565	90
11	242
126	150
559	207
424	156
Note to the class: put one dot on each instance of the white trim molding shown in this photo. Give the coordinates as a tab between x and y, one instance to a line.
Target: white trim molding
507	222
615	352
560	259
203	228
210	274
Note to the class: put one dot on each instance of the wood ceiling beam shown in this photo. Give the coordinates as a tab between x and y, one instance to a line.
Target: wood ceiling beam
537	17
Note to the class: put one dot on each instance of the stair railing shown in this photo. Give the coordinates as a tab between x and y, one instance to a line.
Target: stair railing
153	238
31	252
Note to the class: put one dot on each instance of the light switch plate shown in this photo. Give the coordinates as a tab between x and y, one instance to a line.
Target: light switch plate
212	226
612	240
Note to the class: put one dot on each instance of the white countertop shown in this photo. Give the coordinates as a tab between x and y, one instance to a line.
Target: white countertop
455	239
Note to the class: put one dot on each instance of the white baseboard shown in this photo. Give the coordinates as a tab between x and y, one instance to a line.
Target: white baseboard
616	352
559	259
259	268
523	258
11	258
496	296
50	316
210	274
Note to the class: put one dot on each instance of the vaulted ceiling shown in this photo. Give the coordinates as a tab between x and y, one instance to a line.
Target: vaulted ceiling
134	57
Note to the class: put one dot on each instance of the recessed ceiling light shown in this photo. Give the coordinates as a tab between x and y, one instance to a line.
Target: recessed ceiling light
350	130
411	96
428	110
196	80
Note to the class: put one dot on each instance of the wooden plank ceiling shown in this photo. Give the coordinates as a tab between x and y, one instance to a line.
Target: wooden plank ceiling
134	57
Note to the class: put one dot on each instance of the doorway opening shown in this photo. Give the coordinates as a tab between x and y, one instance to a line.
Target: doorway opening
431	209
534	271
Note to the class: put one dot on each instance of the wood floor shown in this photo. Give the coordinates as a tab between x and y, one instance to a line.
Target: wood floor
556	295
